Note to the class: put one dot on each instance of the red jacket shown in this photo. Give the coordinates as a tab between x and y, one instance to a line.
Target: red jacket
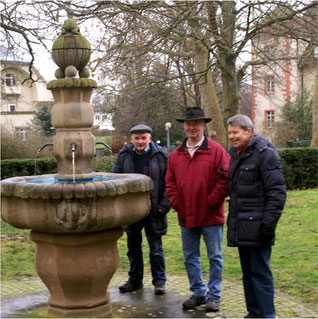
197	186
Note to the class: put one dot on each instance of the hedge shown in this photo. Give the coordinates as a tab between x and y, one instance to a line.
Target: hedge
25	167
299	166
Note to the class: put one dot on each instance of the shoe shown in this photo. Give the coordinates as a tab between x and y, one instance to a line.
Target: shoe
128	286
194	301
160	289
212	304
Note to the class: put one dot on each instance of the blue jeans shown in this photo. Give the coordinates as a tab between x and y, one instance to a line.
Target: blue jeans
135	256
258	281
191	240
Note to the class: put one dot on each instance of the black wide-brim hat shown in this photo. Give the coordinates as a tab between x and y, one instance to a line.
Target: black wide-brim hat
194	113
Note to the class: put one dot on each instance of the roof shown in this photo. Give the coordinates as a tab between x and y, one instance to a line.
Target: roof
9	56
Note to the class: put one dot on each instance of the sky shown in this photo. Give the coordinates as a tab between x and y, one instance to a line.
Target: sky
45	65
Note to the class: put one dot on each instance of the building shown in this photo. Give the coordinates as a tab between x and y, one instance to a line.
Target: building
289	67
20	97
102	121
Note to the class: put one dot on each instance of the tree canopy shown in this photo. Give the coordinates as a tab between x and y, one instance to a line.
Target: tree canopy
202	47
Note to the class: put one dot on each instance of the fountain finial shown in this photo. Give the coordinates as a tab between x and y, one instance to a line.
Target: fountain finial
71	52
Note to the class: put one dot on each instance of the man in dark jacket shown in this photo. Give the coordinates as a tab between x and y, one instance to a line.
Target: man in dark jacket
258	195
143	156
196	186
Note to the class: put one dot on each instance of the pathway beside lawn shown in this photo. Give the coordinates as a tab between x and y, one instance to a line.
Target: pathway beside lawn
144	304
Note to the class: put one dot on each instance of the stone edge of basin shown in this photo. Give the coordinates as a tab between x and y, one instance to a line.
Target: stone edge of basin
130	183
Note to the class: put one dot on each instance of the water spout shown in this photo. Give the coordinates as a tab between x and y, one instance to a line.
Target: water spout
107	146
73	159
38	152
41	148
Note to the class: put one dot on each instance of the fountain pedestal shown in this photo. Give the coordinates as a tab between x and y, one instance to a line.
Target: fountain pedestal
77	268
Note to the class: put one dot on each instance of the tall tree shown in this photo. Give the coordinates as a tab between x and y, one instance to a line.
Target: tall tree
159	31
151	105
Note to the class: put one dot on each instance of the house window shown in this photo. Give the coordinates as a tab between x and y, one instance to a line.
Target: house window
8	80
269	119
12	107
97	117
268	51
23	133
269	85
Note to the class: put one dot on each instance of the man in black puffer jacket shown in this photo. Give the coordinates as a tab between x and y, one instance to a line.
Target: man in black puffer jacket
258	195
143	156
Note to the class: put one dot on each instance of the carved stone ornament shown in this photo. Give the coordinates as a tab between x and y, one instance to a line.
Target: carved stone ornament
71	214
71	48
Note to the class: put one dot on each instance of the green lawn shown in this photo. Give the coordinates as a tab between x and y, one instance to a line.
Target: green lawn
294	257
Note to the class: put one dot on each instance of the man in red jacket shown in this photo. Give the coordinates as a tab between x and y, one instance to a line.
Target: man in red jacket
197	184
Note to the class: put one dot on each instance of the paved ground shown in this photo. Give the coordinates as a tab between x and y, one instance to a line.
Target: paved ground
28	299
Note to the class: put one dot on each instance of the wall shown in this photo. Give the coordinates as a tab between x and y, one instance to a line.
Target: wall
25	95
288	79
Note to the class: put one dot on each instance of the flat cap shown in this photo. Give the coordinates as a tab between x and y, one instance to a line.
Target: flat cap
141	128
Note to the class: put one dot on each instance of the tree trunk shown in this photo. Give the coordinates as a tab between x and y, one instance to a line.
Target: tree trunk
231	97
209	101
227	60
314	141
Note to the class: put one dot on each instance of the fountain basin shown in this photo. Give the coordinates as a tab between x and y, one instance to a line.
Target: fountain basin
112	201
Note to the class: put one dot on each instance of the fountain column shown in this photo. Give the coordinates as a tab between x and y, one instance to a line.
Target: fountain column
73	116
72	113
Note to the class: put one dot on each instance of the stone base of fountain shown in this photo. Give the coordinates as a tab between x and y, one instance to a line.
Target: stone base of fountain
103	311
77	268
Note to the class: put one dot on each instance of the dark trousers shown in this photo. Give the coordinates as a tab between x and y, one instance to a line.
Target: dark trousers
135	256
258	281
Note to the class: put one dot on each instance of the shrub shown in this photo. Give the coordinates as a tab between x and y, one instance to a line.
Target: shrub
12	145
300	167
118	142
103	164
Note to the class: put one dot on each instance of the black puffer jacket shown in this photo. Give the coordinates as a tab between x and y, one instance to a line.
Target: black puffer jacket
258	194
155	223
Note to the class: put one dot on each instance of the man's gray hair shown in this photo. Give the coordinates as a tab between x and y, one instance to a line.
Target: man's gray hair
242	120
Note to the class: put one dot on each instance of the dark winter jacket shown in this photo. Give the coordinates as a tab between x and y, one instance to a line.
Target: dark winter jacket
155	222
258	194
197	186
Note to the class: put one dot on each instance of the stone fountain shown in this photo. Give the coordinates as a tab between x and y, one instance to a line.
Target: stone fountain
75	216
